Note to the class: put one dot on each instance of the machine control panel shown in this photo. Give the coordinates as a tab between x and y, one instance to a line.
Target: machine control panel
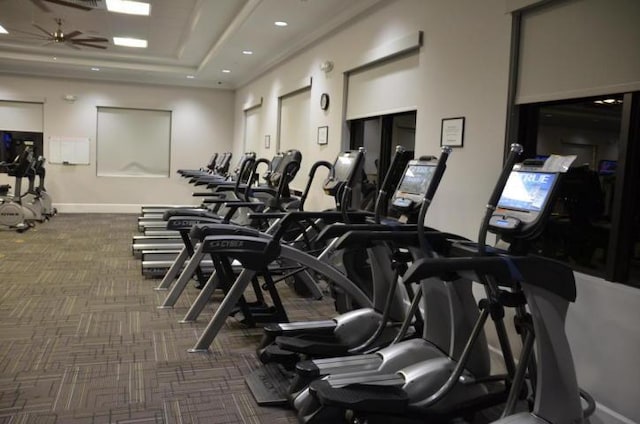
342	169
413	185
525	200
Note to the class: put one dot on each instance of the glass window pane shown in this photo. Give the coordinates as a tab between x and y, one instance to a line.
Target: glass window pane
579	229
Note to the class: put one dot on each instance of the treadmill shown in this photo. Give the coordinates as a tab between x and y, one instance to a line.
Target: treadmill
155	231
339	180
158	258
214	182
220	167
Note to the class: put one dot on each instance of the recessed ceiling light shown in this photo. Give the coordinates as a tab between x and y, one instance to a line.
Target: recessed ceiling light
226	71
247	52
280	23
55	58
130	42
3	31
95	69
190	77
129	7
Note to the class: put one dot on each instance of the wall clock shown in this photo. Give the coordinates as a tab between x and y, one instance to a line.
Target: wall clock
324	101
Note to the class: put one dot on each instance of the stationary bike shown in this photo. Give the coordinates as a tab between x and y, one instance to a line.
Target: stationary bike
38	200
12	213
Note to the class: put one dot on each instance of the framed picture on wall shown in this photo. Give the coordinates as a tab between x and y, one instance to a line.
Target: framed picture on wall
452	132
267	141
323	135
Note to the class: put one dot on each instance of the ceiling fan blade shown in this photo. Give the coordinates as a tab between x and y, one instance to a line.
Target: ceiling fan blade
91	40
72	34
13	30
72	45
40	5
89	45
42	29
70	4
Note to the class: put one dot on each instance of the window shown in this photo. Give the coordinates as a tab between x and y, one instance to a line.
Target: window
594	226
133	142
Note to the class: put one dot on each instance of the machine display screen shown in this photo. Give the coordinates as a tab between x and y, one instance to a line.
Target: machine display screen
342	168
607	167
527	191
416	179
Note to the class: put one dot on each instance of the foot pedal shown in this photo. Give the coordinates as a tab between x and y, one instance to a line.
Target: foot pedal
274	354
362	397
269	385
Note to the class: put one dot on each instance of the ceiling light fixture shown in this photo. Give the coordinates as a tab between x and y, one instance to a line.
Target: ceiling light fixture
226	71
280	23
129	7
130	42
95	69
3	31
190	77
247	52
55	58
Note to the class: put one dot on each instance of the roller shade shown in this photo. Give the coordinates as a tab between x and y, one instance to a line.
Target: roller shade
295	131
252	131
583	48
19	116
133	142
387	87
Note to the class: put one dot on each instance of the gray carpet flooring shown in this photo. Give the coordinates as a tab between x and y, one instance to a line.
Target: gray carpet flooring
82	340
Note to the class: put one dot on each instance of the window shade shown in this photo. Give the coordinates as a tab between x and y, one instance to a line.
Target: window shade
133	142
19	116
388	87
295	131
583	48
253	140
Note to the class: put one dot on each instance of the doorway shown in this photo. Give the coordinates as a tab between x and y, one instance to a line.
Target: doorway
379	135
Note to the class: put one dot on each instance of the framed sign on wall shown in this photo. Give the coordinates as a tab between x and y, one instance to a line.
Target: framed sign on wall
452	132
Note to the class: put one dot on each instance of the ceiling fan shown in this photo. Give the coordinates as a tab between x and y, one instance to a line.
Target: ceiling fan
58	36
85	5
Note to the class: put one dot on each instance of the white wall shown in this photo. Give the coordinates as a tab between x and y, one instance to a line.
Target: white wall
459	38
464	64
202	123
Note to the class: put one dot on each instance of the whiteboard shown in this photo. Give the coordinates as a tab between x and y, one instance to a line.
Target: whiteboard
69	150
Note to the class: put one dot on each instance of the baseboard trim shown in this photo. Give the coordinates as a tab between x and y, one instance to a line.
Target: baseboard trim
97	208
603	414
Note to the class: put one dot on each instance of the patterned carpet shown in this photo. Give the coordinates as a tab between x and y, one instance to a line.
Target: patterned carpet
81	339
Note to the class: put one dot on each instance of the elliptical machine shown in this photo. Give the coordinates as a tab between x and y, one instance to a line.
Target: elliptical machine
12	213
540	290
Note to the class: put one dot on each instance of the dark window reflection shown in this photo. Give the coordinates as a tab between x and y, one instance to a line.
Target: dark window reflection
579	229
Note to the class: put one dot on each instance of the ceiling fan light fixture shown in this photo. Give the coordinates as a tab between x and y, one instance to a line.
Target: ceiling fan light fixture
3	31
130	42
129	7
